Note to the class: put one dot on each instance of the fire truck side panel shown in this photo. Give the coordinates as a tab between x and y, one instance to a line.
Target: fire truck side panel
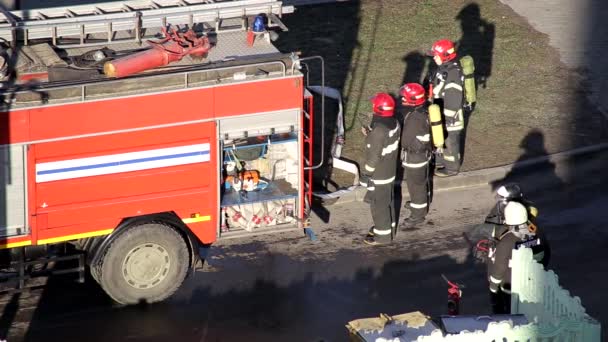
259	97
89	185
13	126
120	114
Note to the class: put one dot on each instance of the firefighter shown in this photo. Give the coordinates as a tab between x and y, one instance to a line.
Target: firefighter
517	232
447	89
416	151
379	169
506	193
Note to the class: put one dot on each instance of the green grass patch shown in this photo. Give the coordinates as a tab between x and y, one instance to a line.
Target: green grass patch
376	45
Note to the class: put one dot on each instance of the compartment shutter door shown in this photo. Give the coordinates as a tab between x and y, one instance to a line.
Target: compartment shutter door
12	191
259	124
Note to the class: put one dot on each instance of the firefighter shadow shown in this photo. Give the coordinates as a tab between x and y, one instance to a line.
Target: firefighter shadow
415	64
477	41
535	178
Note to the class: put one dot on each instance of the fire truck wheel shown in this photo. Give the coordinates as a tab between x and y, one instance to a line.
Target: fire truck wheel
147	263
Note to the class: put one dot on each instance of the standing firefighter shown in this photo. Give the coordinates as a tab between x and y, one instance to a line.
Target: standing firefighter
378	173
446	89
517	232
416	150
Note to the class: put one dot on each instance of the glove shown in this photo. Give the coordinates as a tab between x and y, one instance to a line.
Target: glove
365	130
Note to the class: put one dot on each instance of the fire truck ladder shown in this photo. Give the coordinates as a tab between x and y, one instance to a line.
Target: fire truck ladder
308	132
106	23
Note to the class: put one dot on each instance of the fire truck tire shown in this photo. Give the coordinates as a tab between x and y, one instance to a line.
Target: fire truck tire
148	262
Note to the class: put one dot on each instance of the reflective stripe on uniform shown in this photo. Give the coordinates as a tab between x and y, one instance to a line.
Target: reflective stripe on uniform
392	132
458	127
425	138
449	158
495	281
453	86
369	168
390	148
418	206
507	291
437	89
371	188
449	112
383	181
382	232
415	165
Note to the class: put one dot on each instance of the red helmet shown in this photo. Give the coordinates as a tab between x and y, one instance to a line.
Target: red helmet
444	49
383	104
412	94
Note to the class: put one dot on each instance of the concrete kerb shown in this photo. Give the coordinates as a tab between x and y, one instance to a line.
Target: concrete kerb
483	176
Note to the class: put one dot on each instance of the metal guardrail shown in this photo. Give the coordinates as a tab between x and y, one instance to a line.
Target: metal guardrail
83	86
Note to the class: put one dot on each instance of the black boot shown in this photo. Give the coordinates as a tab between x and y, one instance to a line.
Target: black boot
501	303
376	240
445	173
411	222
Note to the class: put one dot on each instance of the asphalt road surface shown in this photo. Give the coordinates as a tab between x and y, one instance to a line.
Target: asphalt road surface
285	288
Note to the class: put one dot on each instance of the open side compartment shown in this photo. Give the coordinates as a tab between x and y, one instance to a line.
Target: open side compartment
261	178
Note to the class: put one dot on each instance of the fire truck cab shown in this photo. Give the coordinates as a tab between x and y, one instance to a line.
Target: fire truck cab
135	173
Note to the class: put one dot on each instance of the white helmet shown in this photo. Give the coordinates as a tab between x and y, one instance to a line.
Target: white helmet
515	214
509	191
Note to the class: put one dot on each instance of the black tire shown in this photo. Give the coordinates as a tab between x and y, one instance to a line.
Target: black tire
148	262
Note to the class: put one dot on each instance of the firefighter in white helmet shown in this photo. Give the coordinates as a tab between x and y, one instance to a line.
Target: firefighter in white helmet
517	232
447	89
378	171
504	194
416	151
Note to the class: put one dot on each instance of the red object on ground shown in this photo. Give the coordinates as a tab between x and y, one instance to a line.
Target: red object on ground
172	48
454	295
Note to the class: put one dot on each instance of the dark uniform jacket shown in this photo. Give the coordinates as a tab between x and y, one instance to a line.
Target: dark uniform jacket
416	137
381	151
505	240
448	85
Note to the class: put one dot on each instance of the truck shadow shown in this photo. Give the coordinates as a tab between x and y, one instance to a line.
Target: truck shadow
293	301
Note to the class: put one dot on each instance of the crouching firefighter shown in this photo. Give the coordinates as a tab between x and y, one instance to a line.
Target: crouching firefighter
416	151
446	89
517	232
380	167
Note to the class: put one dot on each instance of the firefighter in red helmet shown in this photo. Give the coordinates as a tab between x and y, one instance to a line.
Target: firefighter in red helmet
378	171
416	151
447	90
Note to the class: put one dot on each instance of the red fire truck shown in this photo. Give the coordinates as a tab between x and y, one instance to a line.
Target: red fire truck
135	173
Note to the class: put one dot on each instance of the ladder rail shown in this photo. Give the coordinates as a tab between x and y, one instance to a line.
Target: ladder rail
127	6
103	22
